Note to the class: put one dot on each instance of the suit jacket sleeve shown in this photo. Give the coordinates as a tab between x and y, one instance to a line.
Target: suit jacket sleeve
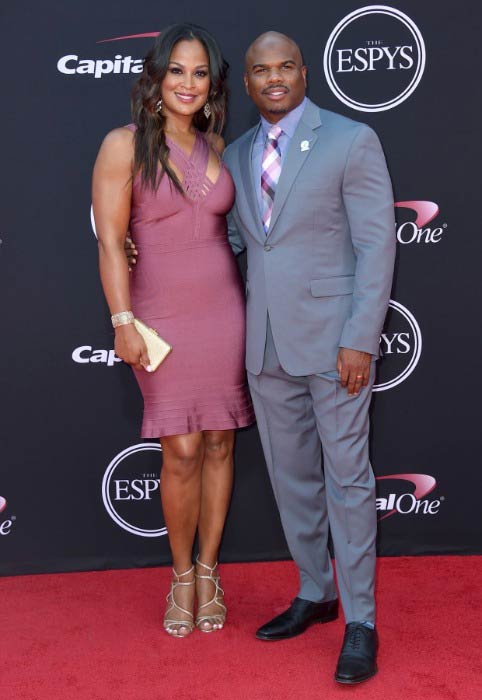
368	199
235	239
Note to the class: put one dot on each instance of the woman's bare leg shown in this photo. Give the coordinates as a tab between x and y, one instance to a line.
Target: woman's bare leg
217	483
181	472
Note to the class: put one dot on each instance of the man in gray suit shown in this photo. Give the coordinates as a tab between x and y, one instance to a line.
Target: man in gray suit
314	208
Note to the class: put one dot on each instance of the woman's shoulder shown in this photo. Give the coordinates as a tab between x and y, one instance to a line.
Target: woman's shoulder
117	148
121	136
120	140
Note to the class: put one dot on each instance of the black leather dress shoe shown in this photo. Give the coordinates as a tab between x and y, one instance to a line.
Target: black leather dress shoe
358	657
299	616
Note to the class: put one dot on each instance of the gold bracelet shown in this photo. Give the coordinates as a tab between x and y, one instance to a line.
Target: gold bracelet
123	318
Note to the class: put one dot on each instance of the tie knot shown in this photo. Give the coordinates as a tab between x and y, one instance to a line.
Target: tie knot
274	133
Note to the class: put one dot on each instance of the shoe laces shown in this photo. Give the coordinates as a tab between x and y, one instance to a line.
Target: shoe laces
354	637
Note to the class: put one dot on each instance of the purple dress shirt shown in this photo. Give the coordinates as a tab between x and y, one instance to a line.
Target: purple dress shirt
288	124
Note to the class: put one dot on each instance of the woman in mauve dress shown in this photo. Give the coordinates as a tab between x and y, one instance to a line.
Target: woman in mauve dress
162	179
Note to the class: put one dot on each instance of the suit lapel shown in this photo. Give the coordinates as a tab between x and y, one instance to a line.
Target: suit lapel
295	158
246	167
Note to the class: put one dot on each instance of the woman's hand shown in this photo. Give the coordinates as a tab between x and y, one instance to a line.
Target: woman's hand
130	347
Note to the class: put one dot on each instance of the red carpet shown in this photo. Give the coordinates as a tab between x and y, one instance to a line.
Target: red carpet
98	636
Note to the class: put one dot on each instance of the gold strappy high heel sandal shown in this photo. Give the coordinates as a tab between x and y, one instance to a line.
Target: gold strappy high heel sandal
216	620
171	625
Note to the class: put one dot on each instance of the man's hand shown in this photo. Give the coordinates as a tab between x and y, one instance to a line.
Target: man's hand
131	252
354	369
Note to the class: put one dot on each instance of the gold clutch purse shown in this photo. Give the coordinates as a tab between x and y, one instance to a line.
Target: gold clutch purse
157	348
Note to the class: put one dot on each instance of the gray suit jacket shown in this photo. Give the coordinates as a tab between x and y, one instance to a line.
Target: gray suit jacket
324	271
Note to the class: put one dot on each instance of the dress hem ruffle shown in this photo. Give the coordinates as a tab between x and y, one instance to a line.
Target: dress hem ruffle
162	428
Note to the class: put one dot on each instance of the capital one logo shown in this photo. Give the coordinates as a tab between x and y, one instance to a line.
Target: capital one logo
374	58
74	65
86	354
404	499
130	490
400	347
418	231
5	525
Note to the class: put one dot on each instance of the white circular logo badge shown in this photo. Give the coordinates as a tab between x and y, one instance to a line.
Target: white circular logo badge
130	490
374	58
400	347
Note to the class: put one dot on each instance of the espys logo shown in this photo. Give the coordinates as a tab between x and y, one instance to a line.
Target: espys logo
417	231
86	354
130	490
6	525
374	58
73	65
405	502
400	347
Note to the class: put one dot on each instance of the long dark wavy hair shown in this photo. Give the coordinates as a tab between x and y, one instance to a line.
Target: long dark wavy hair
150	148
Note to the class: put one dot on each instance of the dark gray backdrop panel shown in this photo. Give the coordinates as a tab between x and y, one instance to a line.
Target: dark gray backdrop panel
63	422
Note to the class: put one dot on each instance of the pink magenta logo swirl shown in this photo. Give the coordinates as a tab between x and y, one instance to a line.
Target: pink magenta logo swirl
424	484
426	211
3	504
146	35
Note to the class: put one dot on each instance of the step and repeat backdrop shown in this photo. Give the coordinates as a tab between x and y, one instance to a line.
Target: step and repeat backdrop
78	488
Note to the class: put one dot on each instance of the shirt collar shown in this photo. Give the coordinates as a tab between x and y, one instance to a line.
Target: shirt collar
288	123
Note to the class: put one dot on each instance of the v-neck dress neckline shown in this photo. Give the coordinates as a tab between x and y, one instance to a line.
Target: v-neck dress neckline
193	167
171	143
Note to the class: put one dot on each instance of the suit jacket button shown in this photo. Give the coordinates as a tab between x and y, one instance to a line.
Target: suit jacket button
267	247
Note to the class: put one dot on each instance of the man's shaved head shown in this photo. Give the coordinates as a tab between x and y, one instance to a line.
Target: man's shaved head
269	40
275	77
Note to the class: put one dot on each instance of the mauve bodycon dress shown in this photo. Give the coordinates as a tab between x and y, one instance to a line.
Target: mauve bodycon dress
187	286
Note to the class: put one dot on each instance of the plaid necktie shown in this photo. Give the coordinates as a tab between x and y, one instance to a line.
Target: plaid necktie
270	172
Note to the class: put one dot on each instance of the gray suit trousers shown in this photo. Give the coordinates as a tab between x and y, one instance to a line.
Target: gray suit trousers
298	418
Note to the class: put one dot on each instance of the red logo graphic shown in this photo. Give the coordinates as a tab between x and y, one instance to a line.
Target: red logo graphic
426	211
3	504
424	484
130	36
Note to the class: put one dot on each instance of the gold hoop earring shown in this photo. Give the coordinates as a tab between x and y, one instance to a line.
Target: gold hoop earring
207	110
